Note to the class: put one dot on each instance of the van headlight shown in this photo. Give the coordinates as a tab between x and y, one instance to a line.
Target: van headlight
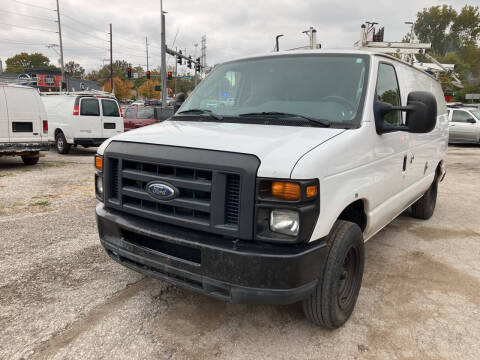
99	186
286	210
285	222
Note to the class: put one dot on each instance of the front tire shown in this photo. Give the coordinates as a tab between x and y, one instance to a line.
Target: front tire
424	207
333	300
61	144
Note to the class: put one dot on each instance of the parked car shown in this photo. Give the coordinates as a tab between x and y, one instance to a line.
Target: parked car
138	116
271	200
464	125
23	123
138	103
85	119
153	102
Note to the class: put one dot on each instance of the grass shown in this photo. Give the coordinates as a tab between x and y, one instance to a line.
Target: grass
40	203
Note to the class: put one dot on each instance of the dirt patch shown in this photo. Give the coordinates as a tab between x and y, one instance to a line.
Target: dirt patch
435	233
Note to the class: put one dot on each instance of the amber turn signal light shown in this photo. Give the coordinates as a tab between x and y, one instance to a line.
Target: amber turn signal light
286	190
312	191
99	162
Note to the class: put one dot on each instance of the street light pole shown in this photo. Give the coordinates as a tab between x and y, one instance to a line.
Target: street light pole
61	46
164	58
277	48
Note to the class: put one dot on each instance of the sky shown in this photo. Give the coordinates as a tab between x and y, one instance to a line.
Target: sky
233	28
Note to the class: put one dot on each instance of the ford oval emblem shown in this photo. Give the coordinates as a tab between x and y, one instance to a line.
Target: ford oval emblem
161	190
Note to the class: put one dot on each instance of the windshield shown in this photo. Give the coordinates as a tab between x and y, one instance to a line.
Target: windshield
476	113
322	86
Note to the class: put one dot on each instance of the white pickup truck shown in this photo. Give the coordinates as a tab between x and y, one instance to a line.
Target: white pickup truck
269	197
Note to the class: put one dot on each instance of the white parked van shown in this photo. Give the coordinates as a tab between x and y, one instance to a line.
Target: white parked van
270	196
86	119
23	123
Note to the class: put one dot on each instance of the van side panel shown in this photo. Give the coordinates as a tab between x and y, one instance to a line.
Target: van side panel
60	113
4	130
23	121
359	164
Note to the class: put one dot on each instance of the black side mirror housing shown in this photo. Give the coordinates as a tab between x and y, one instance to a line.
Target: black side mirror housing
471	121
179	100
421	114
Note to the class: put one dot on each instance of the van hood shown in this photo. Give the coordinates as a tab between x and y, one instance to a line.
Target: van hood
277	147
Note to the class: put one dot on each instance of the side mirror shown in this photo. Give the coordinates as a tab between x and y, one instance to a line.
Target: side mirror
471	121
421	114
179	100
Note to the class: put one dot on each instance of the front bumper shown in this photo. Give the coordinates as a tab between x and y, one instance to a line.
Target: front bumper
234	271
14	148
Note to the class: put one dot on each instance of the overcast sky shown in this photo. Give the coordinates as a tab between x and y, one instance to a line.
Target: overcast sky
233	28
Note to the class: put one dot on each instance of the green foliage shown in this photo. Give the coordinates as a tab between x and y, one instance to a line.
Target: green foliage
74	69
454	37
22	62
432	25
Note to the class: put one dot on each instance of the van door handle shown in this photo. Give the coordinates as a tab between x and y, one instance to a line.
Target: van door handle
404	162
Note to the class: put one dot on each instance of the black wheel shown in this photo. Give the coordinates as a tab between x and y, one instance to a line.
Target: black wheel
31	159
333	300
424	207
61	144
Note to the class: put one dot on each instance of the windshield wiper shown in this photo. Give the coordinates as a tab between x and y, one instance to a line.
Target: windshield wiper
273	114
202	111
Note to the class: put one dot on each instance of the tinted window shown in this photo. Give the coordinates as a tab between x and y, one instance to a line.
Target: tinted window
129	113
461	116
110	108
145	113
388	91
89	107
321	86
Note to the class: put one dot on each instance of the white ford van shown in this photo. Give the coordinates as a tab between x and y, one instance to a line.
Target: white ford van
85	119
270	196
23	123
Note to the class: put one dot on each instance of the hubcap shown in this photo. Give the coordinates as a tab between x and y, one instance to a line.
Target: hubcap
348	279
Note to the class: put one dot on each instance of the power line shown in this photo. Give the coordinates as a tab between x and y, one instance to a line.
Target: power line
85	33
26	15
32	5
28	28
84	24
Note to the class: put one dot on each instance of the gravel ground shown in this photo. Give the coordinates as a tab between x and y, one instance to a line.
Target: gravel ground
61	297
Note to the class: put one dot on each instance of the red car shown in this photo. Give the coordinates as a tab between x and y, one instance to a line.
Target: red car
138	116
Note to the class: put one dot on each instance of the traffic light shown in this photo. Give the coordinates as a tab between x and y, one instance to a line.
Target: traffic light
189	62
148	75
179	58
129	73
197	65
169	75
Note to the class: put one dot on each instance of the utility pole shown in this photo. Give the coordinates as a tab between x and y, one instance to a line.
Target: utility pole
148	84
203	61
176	73
111	59
195	58
61	46
164	58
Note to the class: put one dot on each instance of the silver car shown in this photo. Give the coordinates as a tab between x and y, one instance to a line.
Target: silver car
464	125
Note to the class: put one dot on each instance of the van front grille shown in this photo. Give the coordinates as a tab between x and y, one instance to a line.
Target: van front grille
213	191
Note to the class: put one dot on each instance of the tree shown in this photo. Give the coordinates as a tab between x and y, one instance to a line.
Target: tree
432	25
121	87
74	69
22	62
466	26
147	89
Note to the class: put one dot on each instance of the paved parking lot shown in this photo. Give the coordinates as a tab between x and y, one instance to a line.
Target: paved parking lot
61	297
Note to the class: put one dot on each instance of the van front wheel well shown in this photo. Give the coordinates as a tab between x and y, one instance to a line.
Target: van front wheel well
355	212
